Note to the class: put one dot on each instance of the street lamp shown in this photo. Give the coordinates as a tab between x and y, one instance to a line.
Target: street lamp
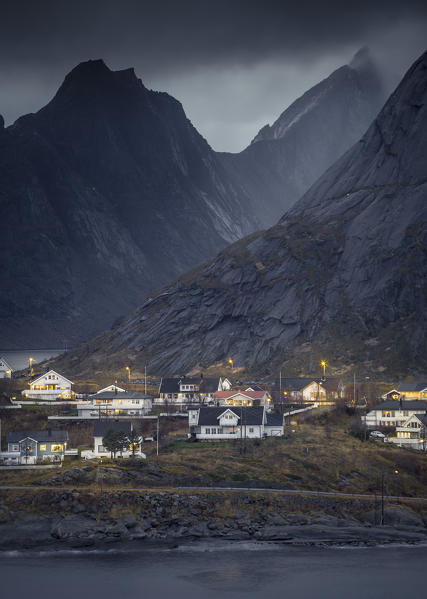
382	494
230	361
128	371
31	360
323	365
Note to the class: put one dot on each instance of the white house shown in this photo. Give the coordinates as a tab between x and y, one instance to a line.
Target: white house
99	431
49	386
213	424
412	433
187	390
393	413
242	398
115	403
323	391
5	369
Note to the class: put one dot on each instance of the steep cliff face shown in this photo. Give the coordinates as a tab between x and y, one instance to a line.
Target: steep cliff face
343	273
286	158
105	194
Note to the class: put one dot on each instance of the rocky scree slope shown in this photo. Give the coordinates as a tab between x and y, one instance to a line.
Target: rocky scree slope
344	272
105	194
286	158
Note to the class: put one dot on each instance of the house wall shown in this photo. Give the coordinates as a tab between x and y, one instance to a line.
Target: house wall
411	395
249	432
376	418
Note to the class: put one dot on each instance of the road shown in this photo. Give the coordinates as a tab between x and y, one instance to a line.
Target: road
231	489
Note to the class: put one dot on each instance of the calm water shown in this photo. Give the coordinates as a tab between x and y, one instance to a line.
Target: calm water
18	359
207	572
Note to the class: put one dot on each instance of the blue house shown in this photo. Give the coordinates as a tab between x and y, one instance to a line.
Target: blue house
28	447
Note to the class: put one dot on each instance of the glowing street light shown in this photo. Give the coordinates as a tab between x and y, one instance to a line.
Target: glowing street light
230	361
31	360
128	370
323	365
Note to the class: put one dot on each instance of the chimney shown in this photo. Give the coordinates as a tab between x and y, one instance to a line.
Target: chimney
400	402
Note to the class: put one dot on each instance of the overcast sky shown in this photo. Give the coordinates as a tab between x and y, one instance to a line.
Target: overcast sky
234	65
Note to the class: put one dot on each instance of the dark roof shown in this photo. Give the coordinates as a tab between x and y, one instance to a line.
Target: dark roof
256	387
206	384
293	384
414	387
40	436
274	419
251	415
422	418
120	395
331	385
102	426
391	404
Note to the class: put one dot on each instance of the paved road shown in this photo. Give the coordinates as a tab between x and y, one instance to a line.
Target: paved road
231	489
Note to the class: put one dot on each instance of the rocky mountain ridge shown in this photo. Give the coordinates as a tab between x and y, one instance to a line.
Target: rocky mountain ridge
342	276
286	158
106	193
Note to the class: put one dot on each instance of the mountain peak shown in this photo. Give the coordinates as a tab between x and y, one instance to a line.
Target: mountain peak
361	59
94	76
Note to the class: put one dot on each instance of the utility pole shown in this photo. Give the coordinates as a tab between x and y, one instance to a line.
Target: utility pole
157	436
280	391
241	426
145	379
382	499
354	388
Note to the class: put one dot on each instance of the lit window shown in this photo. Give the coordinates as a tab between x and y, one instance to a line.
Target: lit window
57	448
43	447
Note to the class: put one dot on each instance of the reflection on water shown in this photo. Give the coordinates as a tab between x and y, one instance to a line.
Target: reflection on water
274	572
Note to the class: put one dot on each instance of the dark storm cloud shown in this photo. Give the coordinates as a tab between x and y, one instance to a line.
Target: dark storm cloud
184	46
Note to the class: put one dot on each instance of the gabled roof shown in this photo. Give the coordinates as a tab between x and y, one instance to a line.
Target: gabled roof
111	388
6	363
51	372
39	436
231	394
119	395
102	426
274	419
412	387
293	384
421	417
330	384
255	388
248	415
208	385
407	405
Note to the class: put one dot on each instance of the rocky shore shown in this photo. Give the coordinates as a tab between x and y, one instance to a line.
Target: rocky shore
46	519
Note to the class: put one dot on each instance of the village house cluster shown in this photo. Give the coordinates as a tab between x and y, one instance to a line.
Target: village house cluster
402	415
216	410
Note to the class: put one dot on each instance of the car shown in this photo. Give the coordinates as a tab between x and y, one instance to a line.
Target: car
377	435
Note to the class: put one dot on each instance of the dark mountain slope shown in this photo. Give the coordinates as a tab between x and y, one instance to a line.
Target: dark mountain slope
105	194
342	275
285	159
